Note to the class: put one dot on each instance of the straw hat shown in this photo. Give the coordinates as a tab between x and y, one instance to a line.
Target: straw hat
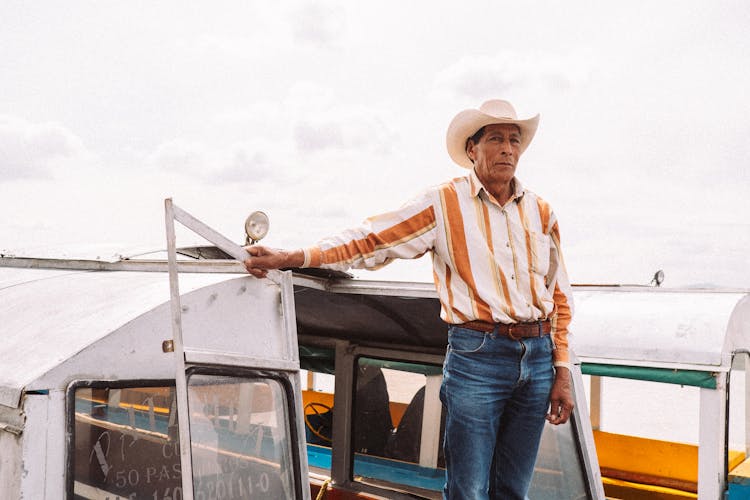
468	121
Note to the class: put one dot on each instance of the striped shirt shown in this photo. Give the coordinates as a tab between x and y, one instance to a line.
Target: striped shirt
492	263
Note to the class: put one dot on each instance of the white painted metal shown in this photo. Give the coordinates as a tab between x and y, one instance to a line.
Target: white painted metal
738	330
56	446
183	412
711	438
73	313
34	444
368	287
655	364
196	356
141	265
430	443
585	434
746	362
252	324
257	323
10	277
32	464
662	329
595	402
11	461
200	228
98	313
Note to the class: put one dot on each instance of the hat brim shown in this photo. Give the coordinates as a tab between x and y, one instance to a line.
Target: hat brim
466	124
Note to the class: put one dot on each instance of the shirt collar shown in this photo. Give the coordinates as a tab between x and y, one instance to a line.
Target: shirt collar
477	187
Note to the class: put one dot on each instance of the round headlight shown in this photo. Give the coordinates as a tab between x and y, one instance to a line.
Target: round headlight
256	227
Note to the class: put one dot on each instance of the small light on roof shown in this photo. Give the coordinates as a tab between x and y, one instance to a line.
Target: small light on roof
658	278
256	227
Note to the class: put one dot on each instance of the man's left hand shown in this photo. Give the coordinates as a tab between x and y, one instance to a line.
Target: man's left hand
560	397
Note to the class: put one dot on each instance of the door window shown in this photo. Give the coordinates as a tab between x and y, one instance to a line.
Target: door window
240	432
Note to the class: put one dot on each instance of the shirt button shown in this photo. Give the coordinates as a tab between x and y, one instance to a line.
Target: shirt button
507	244
512	276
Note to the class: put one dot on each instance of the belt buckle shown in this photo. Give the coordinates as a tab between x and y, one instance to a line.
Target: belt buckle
510	332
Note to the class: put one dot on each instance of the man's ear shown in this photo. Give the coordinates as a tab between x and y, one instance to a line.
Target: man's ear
470	150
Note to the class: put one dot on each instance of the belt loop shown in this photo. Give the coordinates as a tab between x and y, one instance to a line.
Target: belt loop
539	325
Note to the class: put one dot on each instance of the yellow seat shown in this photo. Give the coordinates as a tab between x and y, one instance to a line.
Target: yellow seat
650	468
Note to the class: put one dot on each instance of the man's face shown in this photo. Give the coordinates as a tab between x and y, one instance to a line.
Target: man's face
496	154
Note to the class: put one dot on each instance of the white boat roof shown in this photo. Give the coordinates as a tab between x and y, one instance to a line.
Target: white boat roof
691	329
49	316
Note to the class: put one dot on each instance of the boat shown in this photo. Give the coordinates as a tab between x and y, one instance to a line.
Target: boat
176	375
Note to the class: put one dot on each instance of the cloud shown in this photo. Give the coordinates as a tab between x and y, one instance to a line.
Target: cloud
312	136
212	45
481	76
239	162
35	150
321	24
354	130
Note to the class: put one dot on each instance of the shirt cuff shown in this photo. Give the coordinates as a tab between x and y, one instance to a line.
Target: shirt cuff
560	355
313	257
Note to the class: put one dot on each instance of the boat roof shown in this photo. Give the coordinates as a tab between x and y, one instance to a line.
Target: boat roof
658	327
50	315
51	310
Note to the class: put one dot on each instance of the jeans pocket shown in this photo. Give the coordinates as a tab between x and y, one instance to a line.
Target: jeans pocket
462	340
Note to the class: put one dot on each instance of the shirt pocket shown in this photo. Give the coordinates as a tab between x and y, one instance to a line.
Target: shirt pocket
540	250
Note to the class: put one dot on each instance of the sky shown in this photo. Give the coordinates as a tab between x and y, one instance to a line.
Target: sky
323	113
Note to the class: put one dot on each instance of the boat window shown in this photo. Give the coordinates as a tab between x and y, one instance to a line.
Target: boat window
240	430
393	403
559	471
125	443
126	440
646	432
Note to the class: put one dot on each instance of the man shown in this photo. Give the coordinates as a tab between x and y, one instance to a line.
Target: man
503	289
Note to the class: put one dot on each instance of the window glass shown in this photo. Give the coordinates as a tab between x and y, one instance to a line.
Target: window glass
125	443
240	432
558	472
391	402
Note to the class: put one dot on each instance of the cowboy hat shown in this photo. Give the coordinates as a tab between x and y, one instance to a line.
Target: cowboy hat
469	121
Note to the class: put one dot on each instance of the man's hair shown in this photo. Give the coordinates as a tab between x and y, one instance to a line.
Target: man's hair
476	137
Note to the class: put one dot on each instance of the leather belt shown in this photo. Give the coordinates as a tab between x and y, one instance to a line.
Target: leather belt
512	330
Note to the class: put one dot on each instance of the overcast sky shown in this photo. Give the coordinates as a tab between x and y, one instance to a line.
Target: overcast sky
322	113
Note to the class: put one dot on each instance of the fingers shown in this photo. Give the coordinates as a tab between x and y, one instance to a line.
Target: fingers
251	265
256	250
559	412
254	269
258	273
259	262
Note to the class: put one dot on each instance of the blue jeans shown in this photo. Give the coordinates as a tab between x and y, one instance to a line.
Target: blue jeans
496	393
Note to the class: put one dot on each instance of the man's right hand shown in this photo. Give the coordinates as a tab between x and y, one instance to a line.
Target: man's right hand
264	258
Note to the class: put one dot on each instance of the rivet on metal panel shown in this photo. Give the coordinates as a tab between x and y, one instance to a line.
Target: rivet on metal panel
167	346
